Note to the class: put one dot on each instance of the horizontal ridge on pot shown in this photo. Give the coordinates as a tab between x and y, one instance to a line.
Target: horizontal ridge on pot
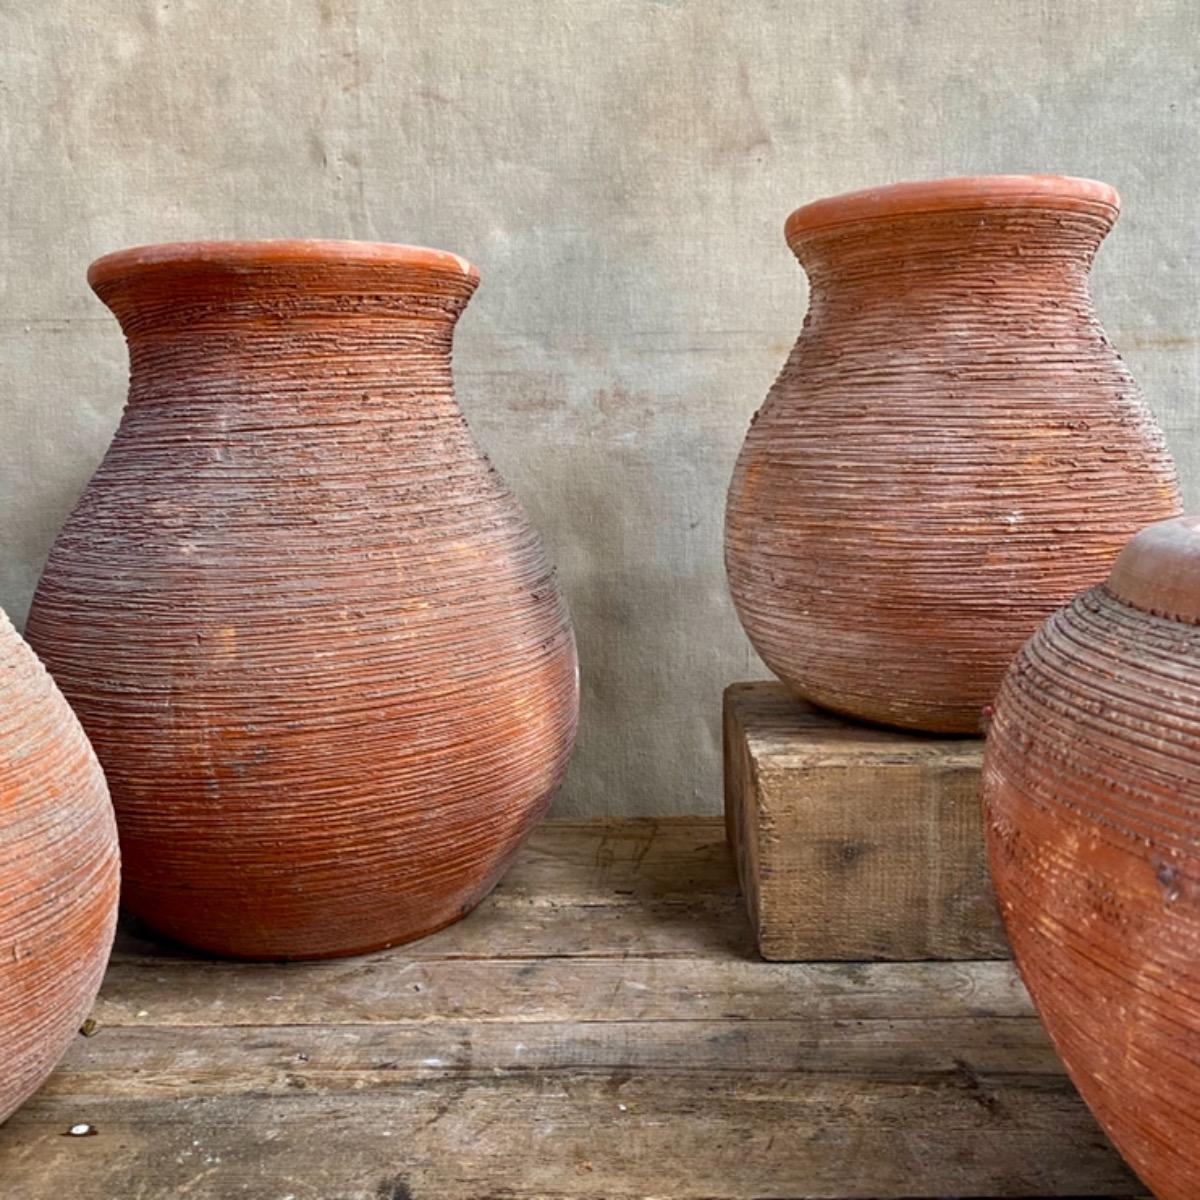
952	450
1091	790
318	647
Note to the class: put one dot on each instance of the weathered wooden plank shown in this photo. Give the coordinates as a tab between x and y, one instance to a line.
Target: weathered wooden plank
855	842
599	1029
136	1063
617	1133
394	987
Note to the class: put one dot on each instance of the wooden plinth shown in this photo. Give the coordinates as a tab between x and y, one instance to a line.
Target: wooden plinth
598	1029
855	842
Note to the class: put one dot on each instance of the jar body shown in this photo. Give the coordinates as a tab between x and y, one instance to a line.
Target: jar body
319	649
1092	813
952	451
59	873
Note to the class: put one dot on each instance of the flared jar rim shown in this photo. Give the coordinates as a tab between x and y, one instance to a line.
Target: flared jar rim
249	254
1065	192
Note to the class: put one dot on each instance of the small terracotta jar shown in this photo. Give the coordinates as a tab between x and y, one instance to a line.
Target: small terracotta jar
953	449
315	642
59	873
1091	791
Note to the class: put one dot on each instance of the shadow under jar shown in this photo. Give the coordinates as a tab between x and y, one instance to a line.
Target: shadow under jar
953	449
317	646
1091	788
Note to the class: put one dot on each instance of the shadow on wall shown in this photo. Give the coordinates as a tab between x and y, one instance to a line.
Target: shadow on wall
646	620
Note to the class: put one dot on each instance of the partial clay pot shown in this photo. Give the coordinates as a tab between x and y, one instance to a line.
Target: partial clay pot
315	642
59	873
1091	789
953	449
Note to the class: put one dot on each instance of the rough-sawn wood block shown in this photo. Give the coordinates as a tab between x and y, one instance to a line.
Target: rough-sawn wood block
855	842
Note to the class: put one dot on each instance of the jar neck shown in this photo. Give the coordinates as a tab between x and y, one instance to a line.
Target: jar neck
197	334
385	362
967	259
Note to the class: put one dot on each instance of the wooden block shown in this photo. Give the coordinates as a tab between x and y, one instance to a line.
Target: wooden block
855	842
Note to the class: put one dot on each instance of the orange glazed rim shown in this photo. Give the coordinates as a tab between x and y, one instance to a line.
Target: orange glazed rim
959	192
276	252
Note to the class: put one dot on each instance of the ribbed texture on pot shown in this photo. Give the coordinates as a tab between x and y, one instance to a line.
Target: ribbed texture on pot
58	873
1092	810
313	638
952	451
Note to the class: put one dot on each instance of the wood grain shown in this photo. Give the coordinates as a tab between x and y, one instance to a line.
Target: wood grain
566	1063
855	842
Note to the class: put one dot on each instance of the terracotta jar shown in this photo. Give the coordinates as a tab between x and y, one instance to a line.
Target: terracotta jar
953	449
1091	790
316	644
59	873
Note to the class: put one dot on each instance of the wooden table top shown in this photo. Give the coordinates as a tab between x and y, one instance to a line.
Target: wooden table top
599	1028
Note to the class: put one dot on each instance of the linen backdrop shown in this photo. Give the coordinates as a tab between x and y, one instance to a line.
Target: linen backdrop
620	171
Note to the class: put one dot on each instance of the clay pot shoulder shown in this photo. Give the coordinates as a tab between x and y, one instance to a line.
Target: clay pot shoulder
59	873
1092	810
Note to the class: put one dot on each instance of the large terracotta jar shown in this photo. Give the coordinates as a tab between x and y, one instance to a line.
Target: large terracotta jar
953	449
315	642
59	873
1092	809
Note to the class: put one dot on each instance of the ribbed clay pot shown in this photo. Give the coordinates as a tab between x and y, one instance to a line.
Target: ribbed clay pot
1091	790
953	449
316	644
59	873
